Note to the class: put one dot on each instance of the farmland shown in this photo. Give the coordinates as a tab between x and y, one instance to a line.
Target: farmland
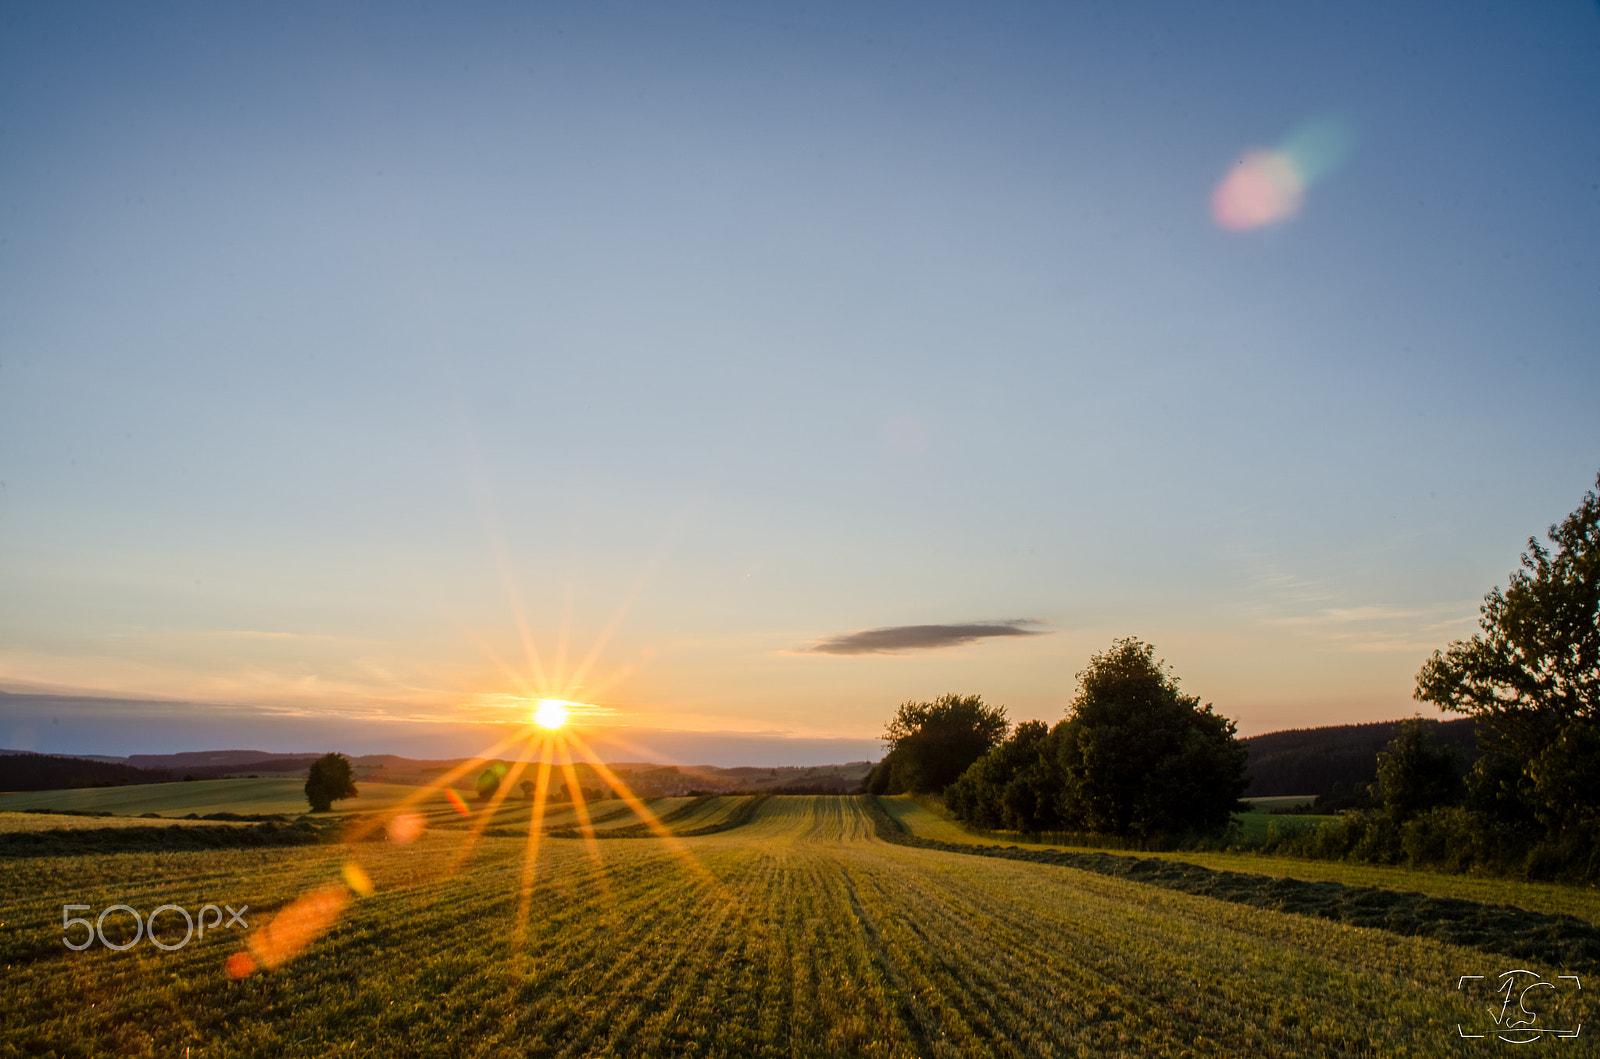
797	932
1583	902
200	796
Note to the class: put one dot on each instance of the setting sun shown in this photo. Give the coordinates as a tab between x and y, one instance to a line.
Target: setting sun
550	713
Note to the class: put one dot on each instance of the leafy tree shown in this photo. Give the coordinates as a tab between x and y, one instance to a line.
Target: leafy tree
930	744
1415	773
1138	757
1133	757
1009	787
1564	780
1532	677
330	780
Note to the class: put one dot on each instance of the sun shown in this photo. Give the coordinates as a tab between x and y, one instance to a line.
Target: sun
550	714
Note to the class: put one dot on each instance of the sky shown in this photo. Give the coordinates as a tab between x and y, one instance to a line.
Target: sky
369	371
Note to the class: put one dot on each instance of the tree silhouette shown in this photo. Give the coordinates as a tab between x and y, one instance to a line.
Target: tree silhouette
1415	773
1134	756
1139	757
330	780
1532	678
932	743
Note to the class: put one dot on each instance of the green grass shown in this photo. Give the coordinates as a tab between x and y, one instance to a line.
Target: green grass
19	823
204	796
1282	801
797	934
1254	824
927	821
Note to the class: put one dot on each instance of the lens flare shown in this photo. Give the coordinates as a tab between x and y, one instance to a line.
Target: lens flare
405	828
1269	186
290	931
357	879
1264	188
544	739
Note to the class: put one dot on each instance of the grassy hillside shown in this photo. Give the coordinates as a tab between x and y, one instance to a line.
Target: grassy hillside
15	823
798	934
202	796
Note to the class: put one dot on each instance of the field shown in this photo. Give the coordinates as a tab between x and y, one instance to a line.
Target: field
798	932
1553	898
202	797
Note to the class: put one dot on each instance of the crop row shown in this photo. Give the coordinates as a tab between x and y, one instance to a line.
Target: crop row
798	934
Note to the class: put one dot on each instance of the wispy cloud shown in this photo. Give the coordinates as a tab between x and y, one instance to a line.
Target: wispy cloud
1382	629
894	639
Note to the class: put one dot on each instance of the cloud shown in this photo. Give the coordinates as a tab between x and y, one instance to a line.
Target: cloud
895	638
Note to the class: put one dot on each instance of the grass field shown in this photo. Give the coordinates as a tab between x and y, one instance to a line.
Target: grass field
799	933
1583	902
287	796
12	823
205	796
1282	801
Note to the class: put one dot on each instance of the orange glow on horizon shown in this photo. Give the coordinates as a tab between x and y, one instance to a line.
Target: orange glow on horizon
544	741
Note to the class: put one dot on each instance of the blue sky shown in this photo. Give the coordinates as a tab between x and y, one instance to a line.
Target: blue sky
342	344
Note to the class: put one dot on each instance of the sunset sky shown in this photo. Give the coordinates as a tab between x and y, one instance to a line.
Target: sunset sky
368	369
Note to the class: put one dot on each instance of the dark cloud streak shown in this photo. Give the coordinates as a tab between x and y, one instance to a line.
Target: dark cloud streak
896	638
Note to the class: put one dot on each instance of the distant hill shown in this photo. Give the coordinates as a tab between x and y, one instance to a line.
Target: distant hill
1306	761
212	759
1311	760
25	771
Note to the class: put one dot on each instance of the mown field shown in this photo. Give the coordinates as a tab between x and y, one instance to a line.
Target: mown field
205	796
287	797
1583	902
799	932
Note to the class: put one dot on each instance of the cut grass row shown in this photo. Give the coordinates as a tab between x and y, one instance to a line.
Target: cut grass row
1550	898
703	815
1565	941
798	934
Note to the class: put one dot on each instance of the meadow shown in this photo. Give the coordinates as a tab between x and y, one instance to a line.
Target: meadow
793	928
245	796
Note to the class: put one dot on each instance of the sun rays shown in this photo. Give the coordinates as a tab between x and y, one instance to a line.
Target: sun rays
541	757
546	746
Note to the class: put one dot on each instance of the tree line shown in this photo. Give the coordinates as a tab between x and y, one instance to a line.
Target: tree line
1135	756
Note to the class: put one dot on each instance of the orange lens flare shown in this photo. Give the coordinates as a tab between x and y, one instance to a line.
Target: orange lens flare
288	933
357	879
405	829
309	916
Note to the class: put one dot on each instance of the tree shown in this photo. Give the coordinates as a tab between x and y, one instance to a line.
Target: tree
1012	786
1134	756
1415	773
930	744
1532	675
329	781
1138	757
